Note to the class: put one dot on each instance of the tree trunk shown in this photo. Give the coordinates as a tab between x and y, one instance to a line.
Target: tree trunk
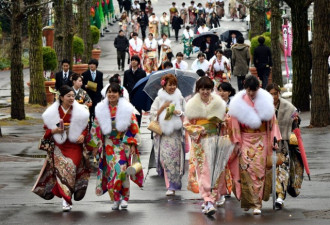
300	57
68	34
16	72
257	19
37	87
275	42
321	50
59	31
83	28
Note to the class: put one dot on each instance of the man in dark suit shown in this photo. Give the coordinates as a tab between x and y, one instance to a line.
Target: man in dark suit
208	47
63	77
131	77
95	76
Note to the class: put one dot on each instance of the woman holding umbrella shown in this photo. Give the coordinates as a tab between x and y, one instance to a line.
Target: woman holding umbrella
204	112
187	38
168	109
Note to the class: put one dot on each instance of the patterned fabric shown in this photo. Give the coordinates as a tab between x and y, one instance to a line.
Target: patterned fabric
82	96
187	45
282	171
149	64
115	158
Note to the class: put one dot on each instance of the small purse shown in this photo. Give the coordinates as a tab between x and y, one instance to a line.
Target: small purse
47	145
293	139
155	127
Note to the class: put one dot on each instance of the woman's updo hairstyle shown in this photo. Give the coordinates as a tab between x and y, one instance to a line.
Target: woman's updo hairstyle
63	91
116	88
169	79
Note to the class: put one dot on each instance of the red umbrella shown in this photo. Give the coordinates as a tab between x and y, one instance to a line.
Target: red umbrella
302	151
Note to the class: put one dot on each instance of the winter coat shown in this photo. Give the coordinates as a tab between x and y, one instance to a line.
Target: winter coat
240	59
121	43
176	22
262	57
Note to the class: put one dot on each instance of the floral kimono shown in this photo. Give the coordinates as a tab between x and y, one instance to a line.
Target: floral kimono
173	10
135	24
81	96
166	48
183	15
192	14
66	170
207	162
116	128
165	26
150	61
168	147
253	127
135	47
153	26
217	70
187	38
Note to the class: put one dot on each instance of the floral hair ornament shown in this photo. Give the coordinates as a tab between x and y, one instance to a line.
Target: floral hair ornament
162	82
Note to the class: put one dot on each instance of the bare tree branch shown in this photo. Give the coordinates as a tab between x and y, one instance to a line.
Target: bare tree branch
32	8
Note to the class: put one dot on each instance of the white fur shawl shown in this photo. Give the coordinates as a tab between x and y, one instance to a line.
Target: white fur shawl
123	115
175	123
195	108
263	108
136	46
79	121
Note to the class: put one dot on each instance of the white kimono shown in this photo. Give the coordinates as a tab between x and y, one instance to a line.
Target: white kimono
182	65
197	65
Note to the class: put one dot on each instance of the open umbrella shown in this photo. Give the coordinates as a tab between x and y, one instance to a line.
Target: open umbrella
186	82
139	98
199	39
226	35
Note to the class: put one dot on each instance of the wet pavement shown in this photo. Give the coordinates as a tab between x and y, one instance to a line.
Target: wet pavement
20	163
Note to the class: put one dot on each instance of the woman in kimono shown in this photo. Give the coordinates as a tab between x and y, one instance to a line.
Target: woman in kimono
65	121
135	46
113	137
135	24
200	63
165	48
153	25
165	25
169	152
204	112
252	127
81	95
150	54
149	9
233	9
184	14
218	67
173	10
220	8
192	13
187	38
287	117
124	21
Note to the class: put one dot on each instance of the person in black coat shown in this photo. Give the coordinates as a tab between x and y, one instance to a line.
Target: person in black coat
262	59
63	77
127	6
208	47
144	22
121	44
131	77
176	24
214	21
121	5
95	76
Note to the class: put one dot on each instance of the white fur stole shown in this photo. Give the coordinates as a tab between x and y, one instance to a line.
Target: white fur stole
175	123
195	108
79	121
263	108
123	115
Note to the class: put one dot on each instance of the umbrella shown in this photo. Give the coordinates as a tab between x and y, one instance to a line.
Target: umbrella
139	98
226	35
186	82
296	131
199	39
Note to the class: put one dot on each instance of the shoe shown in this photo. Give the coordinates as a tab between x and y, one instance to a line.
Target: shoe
107	30
279	203
67	208
123	204
115	205
102	35
221	201
170	193
122	69
210	210
256	211
118	67
203	205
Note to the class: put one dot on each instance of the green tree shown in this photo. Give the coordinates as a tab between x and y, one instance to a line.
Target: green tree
84	22
69	31
59	30
320	112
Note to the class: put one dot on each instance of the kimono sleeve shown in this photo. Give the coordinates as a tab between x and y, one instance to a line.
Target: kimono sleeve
95	137
132	132
154	109
234	130
275	131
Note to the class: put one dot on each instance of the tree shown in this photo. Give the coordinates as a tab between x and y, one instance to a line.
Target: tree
83	27
276	22
321	50
59	30
300	54
37	87
69	32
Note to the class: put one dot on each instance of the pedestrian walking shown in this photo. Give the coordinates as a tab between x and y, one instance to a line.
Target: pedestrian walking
187	38
153	25
113	138
173	10
200	63
253	128
184	14
214	21
127	6
143	21
203	112
176	25
165	24
262	59
134	22
233	9
165	48
149	9
81	95
121	44
124	22
93	84
208	47
219	65
63	77
121	5
192	13
240	60
135	46
135	7
142	5
150	61
178	63
66	170
168	147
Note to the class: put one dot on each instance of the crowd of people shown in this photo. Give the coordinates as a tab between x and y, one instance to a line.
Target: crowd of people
228	135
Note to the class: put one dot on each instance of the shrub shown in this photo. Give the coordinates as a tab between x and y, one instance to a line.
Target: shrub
266	34
255	43
95	33
4	63
78	47
50	59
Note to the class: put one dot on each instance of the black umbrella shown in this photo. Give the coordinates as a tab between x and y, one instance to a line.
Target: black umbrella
199	39
226	35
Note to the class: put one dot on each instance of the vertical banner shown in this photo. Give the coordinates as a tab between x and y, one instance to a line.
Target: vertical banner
286	47
289	39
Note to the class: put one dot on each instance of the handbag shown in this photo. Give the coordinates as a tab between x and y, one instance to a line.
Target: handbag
47	145
155	127
293	139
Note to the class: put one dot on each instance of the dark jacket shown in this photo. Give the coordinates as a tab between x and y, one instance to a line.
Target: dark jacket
131	79
212	48
262	57
240	59
127	5
214	22
95	96
200	21
143	21
59	79
121	43
176	22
